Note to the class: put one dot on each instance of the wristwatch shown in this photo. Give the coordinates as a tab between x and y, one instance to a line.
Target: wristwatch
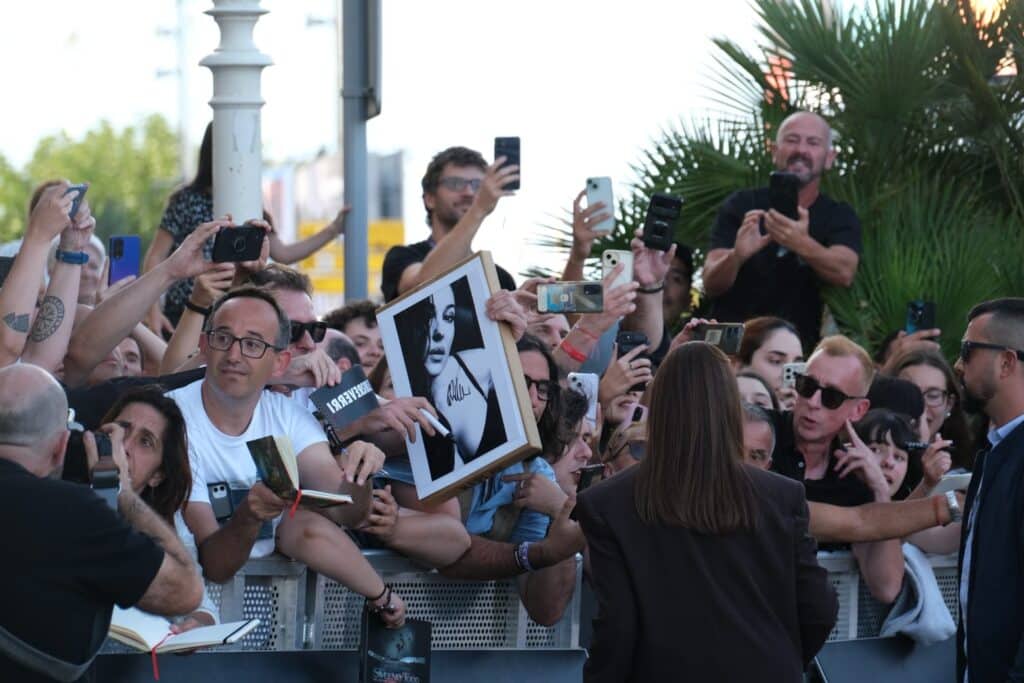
955	513
75	258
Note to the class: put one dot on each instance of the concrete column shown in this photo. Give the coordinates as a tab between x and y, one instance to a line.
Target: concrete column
237	148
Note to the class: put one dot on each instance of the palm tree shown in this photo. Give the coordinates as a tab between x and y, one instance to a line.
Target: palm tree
928	109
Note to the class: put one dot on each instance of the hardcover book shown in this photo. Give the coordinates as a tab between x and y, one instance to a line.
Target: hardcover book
278	469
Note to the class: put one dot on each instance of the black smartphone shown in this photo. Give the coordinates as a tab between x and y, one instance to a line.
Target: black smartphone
5	268
920	316
238	243
660	224
783	189
726	336
508	148
79	191
627	340
104	449
588	475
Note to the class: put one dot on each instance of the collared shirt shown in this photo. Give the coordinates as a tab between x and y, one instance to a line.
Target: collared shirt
995	437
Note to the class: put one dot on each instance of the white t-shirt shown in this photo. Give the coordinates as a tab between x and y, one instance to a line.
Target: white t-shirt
218	457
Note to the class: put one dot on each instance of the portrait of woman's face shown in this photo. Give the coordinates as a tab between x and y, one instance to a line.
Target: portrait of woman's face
441	332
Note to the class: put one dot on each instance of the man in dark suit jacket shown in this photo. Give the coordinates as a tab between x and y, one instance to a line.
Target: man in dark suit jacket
991	367
679	605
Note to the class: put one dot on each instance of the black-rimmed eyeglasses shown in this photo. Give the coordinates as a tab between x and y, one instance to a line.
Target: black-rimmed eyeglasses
831	397
543	386
251	347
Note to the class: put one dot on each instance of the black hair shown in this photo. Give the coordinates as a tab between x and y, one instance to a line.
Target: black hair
284	326
457	156
547	425
879	423
364	310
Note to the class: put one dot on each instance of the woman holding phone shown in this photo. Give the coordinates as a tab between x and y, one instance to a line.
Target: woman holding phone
696	556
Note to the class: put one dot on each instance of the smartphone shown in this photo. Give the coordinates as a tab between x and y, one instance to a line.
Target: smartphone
639	413
626	341
5	268
220	501
589	474
726	336
79	191
613	257
104	449
508	148
600	190
124	252
586	383
659	225
789	373
238	243
920	316
570	297
783	189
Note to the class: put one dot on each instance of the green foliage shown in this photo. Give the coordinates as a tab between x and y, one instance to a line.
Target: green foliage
131	172
930	142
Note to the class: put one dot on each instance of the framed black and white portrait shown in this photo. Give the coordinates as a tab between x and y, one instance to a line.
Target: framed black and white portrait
441	345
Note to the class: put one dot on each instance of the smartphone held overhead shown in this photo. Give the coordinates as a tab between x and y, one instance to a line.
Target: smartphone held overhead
509	148
124	252
238	243
570	297
613	257
660	223
79	192
599	190
726	336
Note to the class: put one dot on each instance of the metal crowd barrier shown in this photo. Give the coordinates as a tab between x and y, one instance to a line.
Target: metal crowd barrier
299	609
860	615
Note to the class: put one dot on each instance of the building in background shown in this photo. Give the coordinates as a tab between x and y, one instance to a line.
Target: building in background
303	197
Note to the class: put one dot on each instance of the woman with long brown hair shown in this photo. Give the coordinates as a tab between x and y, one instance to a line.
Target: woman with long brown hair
702	565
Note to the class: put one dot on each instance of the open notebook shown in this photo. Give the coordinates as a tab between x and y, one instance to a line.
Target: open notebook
279	470
144	631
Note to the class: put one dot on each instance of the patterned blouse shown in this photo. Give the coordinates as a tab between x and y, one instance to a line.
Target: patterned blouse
186	209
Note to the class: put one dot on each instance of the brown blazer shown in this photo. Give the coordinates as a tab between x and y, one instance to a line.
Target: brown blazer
678	605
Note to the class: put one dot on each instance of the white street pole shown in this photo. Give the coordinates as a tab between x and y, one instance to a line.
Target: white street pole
237	148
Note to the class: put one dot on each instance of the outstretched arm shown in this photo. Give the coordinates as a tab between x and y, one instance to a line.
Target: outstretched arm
296	251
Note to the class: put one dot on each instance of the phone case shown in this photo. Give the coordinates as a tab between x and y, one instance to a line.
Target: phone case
508	148
790	371
586	383
659	224
570	297
600	190
920	316
611	258
783	189
124	252
234	244
726	336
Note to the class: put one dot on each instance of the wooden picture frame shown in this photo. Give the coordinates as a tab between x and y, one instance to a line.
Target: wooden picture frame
441	345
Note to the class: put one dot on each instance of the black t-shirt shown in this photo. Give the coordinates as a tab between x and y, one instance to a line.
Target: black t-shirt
68	559
845	491
783	286
402	256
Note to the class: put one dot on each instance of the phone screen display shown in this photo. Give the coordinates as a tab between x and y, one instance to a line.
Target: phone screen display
570	297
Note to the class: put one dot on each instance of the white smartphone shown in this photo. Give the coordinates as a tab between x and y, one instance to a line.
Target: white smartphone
586	383
600	190
613	257
789	373
951	482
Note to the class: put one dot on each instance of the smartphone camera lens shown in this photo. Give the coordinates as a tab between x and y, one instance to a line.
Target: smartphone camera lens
117	249
592	289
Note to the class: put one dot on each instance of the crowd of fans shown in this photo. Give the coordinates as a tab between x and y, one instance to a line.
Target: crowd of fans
183	365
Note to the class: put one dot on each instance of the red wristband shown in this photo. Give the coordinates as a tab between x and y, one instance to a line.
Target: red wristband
572	351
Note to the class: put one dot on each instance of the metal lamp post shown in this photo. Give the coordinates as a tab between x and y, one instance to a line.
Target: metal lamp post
237	65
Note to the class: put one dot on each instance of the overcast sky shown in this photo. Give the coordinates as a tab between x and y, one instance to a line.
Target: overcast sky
586	84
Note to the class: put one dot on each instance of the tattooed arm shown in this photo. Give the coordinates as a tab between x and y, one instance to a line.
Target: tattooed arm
20	290
51	330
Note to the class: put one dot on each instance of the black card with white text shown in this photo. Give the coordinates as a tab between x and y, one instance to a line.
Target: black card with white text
346	401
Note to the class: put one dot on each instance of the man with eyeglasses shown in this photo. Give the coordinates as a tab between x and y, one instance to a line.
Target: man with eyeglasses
431	539
831	396
459	191
245	342
990	641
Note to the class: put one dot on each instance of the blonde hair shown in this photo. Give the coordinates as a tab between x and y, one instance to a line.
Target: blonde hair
839	346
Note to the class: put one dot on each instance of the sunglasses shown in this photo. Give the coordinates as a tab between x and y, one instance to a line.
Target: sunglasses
317	330
831	397
966	347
